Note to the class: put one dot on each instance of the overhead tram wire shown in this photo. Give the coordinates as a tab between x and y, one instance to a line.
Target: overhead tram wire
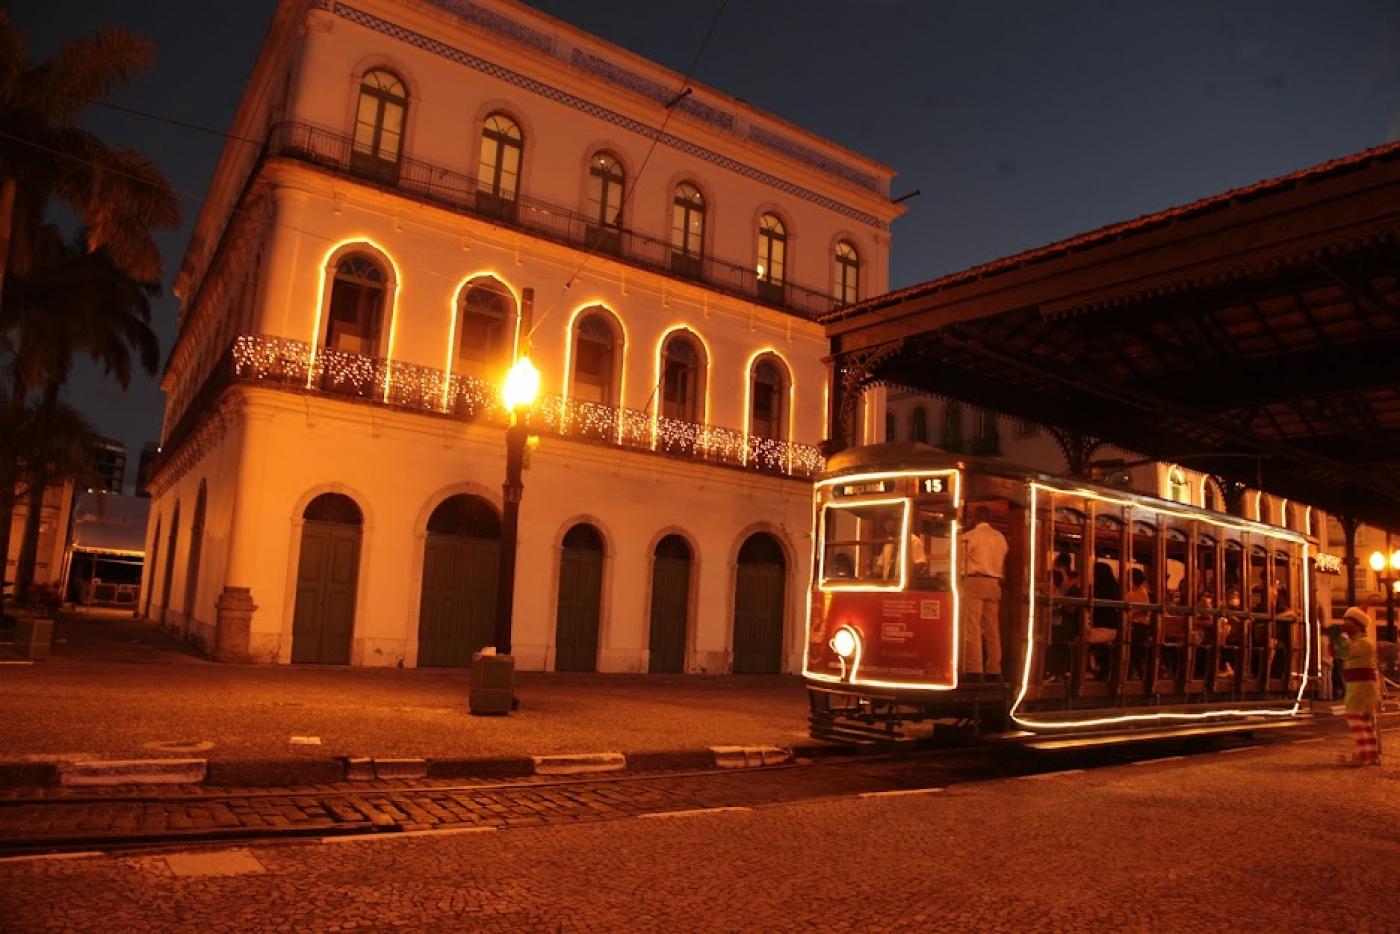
684	92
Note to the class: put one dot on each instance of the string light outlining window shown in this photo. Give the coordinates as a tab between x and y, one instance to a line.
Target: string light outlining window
355	317
682	378
484	328
767	392
595	359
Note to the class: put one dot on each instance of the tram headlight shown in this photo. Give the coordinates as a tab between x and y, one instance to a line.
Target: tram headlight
844	642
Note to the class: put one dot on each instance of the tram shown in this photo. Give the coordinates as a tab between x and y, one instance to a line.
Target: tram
1118	611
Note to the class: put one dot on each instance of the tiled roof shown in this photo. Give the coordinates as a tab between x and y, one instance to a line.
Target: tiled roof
1137	225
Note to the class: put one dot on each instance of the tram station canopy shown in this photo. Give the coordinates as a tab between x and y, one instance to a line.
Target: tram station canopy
1253	335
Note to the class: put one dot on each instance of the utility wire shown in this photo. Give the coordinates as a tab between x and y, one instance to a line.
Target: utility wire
185	124
670	108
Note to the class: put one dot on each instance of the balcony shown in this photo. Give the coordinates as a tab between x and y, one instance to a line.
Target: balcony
290	365
457	191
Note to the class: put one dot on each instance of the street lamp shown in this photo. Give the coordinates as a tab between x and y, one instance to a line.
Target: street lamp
1391	583
521	386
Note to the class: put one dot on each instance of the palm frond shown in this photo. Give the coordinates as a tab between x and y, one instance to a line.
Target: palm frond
84	70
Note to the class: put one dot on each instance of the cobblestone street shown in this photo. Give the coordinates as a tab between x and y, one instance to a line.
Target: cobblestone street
1271	837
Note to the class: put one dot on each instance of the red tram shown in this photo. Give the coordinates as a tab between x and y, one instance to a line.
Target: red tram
1118	610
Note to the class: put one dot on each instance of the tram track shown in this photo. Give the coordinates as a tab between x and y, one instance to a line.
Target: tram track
144	822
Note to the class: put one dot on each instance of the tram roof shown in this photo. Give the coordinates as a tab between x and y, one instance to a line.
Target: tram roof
915	458
1253	335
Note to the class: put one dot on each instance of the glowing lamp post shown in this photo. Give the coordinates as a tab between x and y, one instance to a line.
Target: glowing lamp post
1391	582
521	386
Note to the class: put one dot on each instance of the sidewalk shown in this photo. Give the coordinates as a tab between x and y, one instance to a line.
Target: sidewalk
116	688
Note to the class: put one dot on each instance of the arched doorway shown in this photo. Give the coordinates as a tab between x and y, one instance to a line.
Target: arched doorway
461	558
169	565
580	600
760	589
328	574
670	605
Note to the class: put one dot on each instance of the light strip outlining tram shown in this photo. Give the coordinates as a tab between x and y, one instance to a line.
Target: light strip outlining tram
1117	610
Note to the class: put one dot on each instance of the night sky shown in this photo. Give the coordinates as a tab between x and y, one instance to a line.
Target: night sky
1021	122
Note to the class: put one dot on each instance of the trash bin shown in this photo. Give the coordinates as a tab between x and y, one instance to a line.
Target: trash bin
493	683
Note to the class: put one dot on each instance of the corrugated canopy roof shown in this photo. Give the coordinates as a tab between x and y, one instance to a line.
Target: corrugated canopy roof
1254	335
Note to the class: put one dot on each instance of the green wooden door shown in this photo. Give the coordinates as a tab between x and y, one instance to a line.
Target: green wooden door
670	600
758	618
323	622
580	603
457	611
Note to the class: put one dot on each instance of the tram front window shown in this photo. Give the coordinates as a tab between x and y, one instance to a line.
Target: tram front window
862	543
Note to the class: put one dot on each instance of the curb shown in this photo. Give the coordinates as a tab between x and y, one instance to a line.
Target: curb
286	772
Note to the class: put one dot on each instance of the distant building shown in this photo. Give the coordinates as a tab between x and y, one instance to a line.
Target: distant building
149	451
53	534
105	554
443	184
110	461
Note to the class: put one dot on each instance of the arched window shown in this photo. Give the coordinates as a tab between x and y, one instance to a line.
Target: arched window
605	187
1177	489
889	428
918	427
498	175
485	325
1210	496
772	257
687	230
847	274
767	411
379	121
682	378
595	359
356	312
952	426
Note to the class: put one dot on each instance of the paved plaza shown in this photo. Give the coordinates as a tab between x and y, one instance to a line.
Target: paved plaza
1251	839
116	687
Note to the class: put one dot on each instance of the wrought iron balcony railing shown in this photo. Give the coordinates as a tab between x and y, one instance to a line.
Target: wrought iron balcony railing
458	191
290	364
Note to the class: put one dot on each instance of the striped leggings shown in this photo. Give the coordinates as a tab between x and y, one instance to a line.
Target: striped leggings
1368	743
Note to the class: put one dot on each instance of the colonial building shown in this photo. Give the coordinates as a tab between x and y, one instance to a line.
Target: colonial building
414	193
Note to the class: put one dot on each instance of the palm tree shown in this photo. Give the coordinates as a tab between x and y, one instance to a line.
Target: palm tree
59	446
118	194
71	302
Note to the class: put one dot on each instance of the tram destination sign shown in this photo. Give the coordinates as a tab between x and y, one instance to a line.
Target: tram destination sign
865	488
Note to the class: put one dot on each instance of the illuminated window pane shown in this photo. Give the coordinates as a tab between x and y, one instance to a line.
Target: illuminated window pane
594	345
772	249
766	416
498	171
379	119
484	330
356	306
847	273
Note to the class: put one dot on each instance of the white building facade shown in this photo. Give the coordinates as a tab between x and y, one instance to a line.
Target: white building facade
414	194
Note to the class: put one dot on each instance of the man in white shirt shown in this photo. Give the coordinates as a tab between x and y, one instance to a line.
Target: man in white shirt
888	561
983	567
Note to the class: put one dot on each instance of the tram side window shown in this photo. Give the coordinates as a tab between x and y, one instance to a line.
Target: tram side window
862	543
930	550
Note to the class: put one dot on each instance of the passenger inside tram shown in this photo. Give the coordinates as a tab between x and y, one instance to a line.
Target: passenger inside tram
1104	621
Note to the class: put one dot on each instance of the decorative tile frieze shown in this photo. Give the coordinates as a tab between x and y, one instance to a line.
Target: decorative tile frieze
655	90
498	23
764	136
